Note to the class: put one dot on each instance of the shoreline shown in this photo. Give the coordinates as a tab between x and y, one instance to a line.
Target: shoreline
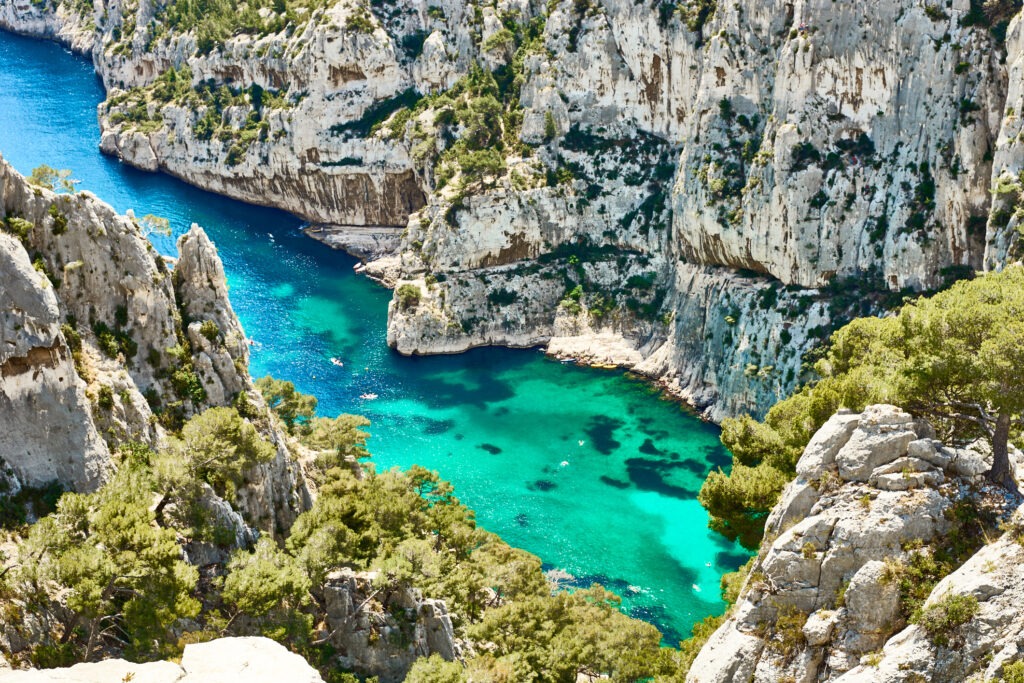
598	351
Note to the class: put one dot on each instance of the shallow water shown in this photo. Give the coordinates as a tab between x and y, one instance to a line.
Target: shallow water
592	471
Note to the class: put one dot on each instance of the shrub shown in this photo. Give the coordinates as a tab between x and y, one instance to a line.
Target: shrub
804	154
19	227
942	618
210	330
408	297
1013	673
187	385
696	13
502	297
106	340
105	398
60	221
550	128
360	21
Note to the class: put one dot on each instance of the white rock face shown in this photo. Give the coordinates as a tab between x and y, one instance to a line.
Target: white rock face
245	660
38	380
823	568
978	649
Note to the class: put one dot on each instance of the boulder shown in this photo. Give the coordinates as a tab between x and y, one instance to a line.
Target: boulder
225	660
882	435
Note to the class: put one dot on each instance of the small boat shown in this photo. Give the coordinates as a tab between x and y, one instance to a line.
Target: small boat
696	588
337	362
564	463
271	236
367	397
581	442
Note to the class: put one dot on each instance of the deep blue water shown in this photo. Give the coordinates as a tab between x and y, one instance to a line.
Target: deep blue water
592	471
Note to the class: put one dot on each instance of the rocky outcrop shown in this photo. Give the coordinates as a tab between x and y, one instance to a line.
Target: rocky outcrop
246	660
94	350
662	154
977	649
220	349
873	492
382	631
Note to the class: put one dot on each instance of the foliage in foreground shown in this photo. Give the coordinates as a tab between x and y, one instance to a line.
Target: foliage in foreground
956	358
104	575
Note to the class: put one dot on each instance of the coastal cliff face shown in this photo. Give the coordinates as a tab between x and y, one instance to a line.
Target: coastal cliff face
679	163
877	510
103	344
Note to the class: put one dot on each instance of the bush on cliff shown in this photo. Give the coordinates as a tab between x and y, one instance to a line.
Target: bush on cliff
295	409
408	297
956	358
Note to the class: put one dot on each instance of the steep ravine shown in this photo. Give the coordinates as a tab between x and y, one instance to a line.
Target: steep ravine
701	176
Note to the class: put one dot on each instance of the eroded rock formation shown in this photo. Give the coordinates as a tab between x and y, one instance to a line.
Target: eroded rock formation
94	345
874	493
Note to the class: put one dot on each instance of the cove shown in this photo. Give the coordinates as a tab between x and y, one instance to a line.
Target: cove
590	470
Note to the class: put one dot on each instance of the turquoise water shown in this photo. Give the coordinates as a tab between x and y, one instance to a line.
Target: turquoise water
590	470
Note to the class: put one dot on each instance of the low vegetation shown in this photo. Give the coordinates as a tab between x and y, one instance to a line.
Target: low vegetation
941	619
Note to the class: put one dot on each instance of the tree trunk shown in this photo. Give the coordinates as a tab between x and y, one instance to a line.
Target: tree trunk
1000	472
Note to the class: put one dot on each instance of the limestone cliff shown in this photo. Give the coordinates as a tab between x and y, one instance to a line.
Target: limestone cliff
95	351
678	162
876	507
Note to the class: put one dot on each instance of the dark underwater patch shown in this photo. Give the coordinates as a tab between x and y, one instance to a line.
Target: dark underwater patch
717	455
490	448
695	466
649	475
601	431
542	485
617	483
435	427
729	560
648	448
522	520
659	617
